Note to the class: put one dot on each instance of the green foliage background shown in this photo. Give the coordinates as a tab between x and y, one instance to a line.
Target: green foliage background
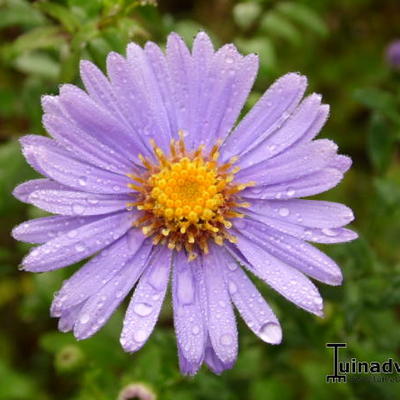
339	45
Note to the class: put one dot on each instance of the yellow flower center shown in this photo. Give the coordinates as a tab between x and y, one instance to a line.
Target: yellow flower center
187	190
187	198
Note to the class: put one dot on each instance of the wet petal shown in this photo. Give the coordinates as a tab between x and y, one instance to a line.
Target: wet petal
145	305
318	235
286	280
151	95
78	243
295	253
309	213
98	308
303	160
308	185
270	112
98	122
254	310
220	317
215	364
97	272
41	230
67	202
225	91
22	191
294	129
85	146
189	302
63	168
99	88
68	318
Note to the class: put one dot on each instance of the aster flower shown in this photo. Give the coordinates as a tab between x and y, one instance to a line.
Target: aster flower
149	175
393	54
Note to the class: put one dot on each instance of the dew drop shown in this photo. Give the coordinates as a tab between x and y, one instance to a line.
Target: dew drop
195	330
82	180
92	201
72	234
77	209
283	212
226	340
143	309
271	332
233	266
140	336
318	301
84	319
290	192
232	287
329	232
80	247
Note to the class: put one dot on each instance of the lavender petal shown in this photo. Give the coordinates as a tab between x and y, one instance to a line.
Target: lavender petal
220	317
145	305
98	308
77	244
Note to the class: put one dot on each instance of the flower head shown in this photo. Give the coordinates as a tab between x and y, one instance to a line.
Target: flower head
393	54
149	174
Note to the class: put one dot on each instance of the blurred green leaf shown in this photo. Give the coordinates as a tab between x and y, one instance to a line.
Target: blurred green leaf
62	14
44	37
15	386
305	15
246	14
379	100
40	64
69	68
263	47
19	12
380	143
278	25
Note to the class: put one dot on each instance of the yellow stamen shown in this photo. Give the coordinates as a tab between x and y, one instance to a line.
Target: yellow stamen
186	198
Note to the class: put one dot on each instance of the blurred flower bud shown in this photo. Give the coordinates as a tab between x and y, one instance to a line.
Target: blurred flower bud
393	54
136	391
69	358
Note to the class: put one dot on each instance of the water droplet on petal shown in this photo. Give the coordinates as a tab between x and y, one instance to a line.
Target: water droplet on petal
80	247
72	234
143	309
82	180
77	209
196	330
329	232
271	332
232	287
318	300
226	340
290	192
92	201
233	266
140	335
283	212
84	319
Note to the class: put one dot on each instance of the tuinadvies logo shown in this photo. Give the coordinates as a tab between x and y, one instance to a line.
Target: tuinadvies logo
341	369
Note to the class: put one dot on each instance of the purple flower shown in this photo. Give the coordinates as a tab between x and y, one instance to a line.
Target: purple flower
393	54
149	175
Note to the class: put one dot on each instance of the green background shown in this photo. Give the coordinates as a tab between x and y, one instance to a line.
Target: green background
340	45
